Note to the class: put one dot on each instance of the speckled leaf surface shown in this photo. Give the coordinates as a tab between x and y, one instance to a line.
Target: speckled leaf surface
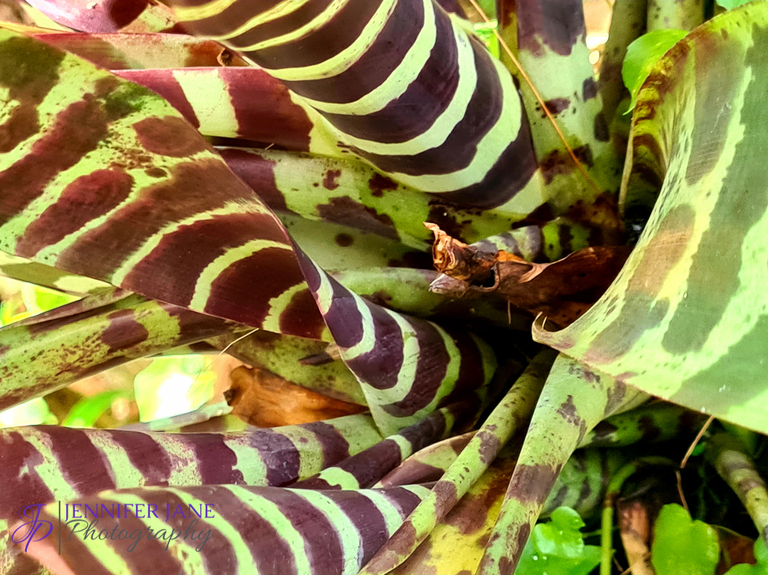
687	318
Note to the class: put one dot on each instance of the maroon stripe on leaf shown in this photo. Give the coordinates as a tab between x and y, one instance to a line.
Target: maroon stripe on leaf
123	331
431	368
195	326
169	136
367	519
21	483
164	83
228	19
99	252
402	500
88	197
321	540
511	172
425	432
333	444
423	102
370	465
77	130
379	367
264	109
259	173
217	551
145	454
376	64
311	274
215	459
471	369
268	273
197	245
147	555
74	553
280	456
301	317
270	551
320	45
82	465
460	148
271	29
344	318
28	84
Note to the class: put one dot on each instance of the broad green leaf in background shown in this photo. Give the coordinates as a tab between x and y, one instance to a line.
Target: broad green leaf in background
731	4
642	56
557	547
682	545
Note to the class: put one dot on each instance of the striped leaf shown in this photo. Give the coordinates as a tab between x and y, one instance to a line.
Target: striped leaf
408	367
47	464
574	400
551	48
115	185
54	349
685	320
246	530
402	83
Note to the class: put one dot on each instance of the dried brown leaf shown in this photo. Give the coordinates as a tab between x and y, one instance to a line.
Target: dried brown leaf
561	290
264	399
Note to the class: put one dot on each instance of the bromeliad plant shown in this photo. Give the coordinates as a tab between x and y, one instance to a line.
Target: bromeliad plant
276	176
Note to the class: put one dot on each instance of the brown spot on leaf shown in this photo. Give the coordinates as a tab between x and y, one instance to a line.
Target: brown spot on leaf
379	184
344	240
556	105
331	179
347	212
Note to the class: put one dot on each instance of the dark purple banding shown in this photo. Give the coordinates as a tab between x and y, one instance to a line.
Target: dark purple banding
194	246
85	199
344	317
510	174
270	551
280	456
145	454
218	552
98	252
19	488
228	19
215	459
367	519
317	47
333	444
240	12
243	290
376	64
379	367
423	102
82	465
431	368
321	540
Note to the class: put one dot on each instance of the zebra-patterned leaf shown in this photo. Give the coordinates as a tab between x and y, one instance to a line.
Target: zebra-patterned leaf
221	529
115	185
46	464
141	51
49	351
686	318
402	83
408	367
573	401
